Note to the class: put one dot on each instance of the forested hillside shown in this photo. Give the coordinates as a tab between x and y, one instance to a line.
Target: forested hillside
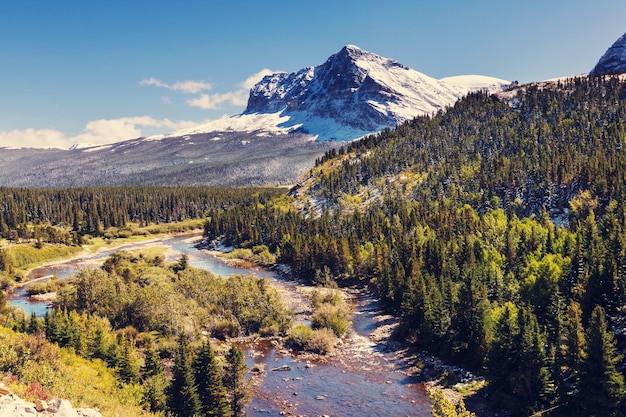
496	230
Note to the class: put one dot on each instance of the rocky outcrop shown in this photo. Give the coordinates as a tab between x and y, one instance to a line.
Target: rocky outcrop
355	88
13	406
614	59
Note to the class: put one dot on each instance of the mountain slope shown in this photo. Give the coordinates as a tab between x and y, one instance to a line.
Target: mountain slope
484	228
357	90
614	59
528	147
278	137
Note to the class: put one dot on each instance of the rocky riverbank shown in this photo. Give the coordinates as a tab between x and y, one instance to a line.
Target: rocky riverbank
13	406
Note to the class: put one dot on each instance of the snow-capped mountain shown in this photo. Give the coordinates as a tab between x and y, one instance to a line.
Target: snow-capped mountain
354	93
355	88
614	59
291	119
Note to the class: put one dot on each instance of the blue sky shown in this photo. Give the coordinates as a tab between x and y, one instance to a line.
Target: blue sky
96	71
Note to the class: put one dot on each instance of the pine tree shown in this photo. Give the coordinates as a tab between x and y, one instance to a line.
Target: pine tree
502	365
182	396
127	364
211	391
34	325
602	387
97	347
469	320
570	352
153	380
152	366
234	381
443	407
534	376
51	324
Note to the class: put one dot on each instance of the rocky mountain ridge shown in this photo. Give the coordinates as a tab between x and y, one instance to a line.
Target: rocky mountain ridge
614	59
290	121
357	89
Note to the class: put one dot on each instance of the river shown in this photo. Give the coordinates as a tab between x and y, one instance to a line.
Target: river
361	378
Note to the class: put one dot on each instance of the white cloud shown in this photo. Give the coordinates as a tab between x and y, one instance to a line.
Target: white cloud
106	131
236	98
188	87
213	101
31	138
97	132
255	78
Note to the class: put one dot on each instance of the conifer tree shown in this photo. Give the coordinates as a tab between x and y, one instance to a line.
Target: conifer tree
234	381
97	347
126	363
34	325
211	391
571	352
602	387
501	363
534	377
153	380
182	395
152	366
51	324
471	311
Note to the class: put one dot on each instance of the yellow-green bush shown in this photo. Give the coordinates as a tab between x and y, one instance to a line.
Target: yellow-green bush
33	367
26	255
302	337
331	312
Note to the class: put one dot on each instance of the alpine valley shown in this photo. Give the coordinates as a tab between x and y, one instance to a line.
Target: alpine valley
290	121
469	247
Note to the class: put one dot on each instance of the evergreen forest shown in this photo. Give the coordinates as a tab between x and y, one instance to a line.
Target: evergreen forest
495	230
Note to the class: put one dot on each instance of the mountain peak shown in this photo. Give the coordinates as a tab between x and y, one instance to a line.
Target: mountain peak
350	47
614	59
356	89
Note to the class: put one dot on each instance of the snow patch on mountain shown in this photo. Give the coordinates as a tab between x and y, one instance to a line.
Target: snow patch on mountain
261	123
471	83
352	94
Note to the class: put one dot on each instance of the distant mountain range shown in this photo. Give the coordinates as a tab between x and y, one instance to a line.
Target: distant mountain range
291	119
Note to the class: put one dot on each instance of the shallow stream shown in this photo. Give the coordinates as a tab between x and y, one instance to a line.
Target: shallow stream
362	377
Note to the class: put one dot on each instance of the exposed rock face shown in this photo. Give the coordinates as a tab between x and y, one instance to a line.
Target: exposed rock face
356	88
614	59
13	406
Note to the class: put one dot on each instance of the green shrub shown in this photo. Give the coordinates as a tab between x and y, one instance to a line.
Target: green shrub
224	329
302	337
322	341
333	317
269	329
299	336
332	297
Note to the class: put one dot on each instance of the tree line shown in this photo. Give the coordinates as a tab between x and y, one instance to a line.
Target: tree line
58	215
